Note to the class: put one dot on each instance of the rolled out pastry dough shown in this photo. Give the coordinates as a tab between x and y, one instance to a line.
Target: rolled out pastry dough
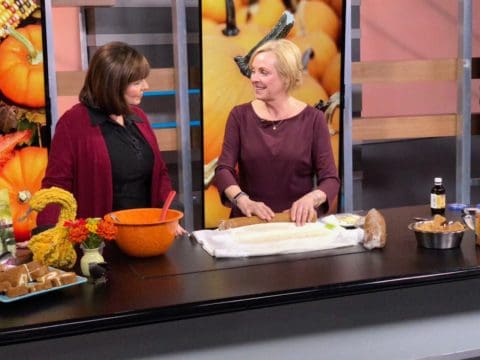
268	232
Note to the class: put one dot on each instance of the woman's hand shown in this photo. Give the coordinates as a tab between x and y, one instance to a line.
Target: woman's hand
304	208
250	207
180	231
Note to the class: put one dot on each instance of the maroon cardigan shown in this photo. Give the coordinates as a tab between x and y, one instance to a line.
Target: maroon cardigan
79	162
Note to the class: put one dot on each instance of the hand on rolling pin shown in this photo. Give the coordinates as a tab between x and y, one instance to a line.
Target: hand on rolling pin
304	208
250	207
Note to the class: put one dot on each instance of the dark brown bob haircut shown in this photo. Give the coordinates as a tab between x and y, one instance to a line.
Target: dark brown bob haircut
112	68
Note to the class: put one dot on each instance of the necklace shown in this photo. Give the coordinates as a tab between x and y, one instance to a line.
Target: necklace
277	124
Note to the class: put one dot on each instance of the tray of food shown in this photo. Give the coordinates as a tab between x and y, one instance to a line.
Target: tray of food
349	220
33	279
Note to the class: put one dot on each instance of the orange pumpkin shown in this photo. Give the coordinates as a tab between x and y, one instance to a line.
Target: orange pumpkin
337	5
324	49
21	67
216	9
223	88
310	91
23	172
331	76
214	209
312	16
266	12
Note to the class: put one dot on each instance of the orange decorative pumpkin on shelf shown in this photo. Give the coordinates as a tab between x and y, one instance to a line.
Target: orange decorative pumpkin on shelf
21	66
22	176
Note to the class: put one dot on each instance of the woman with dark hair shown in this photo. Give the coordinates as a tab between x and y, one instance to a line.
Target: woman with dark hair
104	150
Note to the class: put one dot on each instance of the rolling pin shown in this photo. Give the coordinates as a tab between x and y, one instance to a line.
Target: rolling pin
244	221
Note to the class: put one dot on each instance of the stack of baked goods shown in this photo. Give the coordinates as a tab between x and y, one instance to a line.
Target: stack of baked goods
31	277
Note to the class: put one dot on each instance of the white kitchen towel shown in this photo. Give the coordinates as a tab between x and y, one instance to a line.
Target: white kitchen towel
276	238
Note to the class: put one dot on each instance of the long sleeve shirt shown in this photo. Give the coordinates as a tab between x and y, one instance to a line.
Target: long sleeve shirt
79	162
276	162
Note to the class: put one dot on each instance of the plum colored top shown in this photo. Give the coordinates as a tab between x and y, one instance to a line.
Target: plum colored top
277	161
79	162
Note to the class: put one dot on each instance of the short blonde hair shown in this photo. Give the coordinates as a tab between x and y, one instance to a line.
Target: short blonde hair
289	61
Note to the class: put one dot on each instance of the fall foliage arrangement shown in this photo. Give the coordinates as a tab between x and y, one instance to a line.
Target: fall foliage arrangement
90	232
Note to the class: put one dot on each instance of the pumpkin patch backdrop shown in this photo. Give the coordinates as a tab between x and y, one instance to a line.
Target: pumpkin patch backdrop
231	28
23	153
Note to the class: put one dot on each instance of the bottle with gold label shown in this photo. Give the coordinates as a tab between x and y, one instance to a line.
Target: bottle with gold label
437	197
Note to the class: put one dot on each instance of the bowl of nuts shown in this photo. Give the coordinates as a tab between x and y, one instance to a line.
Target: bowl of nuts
438	233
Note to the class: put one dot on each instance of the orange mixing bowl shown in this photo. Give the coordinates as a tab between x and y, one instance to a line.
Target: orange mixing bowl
142	234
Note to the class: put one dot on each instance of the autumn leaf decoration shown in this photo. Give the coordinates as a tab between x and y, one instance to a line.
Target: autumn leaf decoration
8	142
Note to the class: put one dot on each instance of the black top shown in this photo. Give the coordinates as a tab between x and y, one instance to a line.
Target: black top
131	159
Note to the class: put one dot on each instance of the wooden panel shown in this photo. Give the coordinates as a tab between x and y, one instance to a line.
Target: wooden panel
404	71
76	3
404	127
69	83
167	139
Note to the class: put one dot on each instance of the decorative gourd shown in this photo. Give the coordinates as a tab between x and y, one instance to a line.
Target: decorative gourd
337	5
310	91
312	16
324	49
52	246
223	88
265	13
22	175
21	66
331	76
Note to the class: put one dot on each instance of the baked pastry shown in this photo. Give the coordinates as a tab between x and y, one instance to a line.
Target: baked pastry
31	277
68	278
4	286
16	276
15	291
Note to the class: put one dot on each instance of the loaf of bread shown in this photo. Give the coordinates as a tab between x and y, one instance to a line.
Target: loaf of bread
375	230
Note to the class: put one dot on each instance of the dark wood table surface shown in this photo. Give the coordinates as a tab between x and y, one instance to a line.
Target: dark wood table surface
187	282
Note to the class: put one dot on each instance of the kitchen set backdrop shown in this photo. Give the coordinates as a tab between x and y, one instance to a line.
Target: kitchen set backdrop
230	29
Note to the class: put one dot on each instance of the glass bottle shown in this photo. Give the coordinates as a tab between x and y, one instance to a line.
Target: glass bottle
437	197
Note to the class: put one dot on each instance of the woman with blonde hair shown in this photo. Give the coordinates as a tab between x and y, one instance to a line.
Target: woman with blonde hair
275	146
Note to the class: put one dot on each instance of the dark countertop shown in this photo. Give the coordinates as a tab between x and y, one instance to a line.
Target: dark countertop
187	282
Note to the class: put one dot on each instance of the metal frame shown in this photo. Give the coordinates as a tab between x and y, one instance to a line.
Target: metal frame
464	85
346	202
52	76
180	59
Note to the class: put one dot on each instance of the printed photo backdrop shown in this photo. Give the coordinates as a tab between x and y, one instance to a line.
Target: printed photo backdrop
23	120
317	27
